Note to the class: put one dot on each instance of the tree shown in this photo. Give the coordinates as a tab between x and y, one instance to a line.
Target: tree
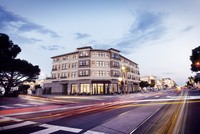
14	71
144	84
153	83
195	59
23	88
190	81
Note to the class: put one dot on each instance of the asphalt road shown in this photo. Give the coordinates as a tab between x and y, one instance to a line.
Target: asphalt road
133	113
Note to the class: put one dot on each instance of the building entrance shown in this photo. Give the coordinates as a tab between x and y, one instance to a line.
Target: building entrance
64	88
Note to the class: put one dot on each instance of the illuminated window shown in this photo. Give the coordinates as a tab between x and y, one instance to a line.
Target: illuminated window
75	88
85	88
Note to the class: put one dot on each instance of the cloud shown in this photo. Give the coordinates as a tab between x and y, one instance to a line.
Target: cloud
81	35
23	40
147	27
168	73
52	47
188	28
12	21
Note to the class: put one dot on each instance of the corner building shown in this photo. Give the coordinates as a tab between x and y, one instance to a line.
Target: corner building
92	71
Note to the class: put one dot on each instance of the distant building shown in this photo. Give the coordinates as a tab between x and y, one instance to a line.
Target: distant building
159	83
168	83
148	78
91	71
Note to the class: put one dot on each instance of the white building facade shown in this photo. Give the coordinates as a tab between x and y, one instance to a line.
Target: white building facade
91	71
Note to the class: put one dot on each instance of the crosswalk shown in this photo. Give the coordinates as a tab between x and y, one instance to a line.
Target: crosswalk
11	106
47	128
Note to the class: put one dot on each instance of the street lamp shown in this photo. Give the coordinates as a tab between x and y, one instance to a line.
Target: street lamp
121	79
120	84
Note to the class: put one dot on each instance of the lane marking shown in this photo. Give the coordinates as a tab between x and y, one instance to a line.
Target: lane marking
22	105
93	132
4	119
6	106
145	121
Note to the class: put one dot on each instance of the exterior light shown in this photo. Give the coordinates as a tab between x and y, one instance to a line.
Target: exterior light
120	79
197	63
123	68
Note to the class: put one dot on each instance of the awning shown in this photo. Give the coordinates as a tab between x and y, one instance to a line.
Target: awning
101	81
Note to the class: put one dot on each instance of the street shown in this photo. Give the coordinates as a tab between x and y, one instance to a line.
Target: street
166	111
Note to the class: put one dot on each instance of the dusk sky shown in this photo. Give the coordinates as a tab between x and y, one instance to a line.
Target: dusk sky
157	34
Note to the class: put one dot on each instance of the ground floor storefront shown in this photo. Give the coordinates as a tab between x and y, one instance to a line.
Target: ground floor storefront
89	87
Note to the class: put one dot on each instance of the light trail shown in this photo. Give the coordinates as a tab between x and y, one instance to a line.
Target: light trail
110	106
169	121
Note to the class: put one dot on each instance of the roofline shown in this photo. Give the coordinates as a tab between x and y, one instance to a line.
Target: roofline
114	50
84	47
64	54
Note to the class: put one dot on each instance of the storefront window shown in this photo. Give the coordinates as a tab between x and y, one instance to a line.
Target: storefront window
85	88
98	88
74	88
114	88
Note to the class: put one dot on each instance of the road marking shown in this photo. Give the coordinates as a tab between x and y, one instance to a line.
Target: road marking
145	120
26	123
93	132
48	129
14	106
4	119
22	105
54	128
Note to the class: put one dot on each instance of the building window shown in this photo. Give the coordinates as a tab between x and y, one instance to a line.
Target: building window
93	73
74	65
115	56
107	63
85	88
102	73
99	63
115	64
64	58
74	74
102	63
53	76
107	54
93	54
115	73
75	88
84	54
64	66
54	68
107	73
84	63
84	73
63	75
75	56
56	60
